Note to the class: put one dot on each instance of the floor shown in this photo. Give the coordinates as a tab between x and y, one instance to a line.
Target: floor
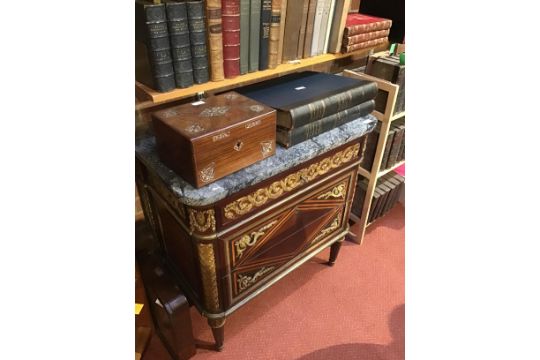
354	310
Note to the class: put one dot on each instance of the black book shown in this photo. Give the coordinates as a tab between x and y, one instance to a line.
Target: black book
305	97
266	18
401	155
375	203
396	144
398	181
153	60
290	137
384	187
177	21
387	148
390	191
359	196
197	38
371	147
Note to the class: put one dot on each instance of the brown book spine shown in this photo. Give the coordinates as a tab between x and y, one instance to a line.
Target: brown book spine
363	28
363	45
355	39
230	17
283	16
309	28
275	24
338	25
215	39
292	30
302	36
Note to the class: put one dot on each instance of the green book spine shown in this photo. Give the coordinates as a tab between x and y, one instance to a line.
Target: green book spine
244	35
254	34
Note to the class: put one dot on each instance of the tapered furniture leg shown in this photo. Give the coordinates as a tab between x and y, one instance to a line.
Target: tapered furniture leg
334	251
218	330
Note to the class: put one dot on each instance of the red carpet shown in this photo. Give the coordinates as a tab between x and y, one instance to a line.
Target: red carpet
354	310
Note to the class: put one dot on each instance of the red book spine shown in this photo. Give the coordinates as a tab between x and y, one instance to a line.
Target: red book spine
230	19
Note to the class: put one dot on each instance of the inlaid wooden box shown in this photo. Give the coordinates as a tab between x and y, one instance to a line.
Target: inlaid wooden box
205	141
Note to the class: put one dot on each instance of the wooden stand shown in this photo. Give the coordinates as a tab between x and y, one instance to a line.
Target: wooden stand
386	118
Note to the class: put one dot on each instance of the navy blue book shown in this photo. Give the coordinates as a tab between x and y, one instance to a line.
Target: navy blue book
302	98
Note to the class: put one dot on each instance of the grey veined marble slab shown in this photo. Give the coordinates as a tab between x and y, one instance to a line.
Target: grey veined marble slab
283	159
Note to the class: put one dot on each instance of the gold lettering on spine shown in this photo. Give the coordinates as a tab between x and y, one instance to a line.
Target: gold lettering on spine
202	221
245	204
208	275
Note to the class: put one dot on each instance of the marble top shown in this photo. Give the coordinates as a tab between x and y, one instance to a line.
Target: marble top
284	159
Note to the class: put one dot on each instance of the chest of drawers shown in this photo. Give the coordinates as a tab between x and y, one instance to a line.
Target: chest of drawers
225	249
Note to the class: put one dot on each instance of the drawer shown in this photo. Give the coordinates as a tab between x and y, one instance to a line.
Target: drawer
259	251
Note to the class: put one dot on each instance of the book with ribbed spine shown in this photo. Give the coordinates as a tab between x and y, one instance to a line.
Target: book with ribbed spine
230	18
317	26
266	18
396	143
301	98
180	45
363	45
387	147
303	28
291	137
254	33
355	39
244	36
361	23
215	39
338	25
153	65
197	37
282	17
309	28
273	43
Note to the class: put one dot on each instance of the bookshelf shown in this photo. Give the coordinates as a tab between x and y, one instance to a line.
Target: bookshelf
149	97
386	119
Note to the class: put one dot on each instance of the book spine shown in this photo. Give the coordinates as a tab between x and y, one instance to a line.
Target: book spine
303	25
338	25
180	46
324	24
292	30
306	132
309	28
355	39
244	36
363	28
396	145
329	26
273	43
401	155
266	18
371	147
387	147
215	39
363	45
316	110
317	27
282	18
230	17
159	48
197	37
254	31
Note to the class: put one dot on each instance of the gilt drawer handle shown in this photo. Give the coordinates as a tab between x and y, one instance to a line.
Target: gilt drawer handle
238	146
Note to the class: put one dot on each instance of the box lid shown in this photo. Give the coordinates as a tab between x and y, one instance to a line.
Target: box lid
211	115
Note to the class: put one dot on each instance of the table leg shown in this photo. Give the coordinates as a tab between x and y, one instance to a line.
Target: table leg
334	251
218	330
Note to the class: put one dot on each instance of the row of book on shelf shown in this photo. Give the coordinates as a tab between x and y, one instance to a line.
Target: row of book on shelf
394	151
181	43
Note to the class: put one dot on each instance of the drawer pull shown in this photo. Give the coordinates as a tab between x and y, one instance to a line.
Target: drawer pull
238	146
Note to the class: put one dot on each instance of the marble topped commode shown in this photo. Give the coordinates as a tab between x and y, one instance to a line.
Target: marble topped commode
229	241
281	161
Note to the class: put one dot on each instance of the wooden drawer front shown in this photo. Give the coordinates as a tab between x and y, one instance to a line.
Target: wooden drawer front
262	249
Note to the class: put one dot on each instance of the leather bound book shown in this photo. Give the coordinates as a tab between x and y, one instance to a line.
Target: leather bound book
215	39
283	16
354	7
387	148
266	18
390	69
153	59
180	44
324	25
388	189
291	137
244	36
230	17
401	155
317	27
197	37
302	35
273	43
371	147
396	144
302	98
309	28
359	196
207	140
361	23
254	33
375	203
356	39
338	25
293	21
363	45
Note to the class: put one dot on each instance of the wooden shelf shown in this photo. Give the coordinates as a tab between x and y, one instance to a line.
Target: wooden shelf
386	171
397	116
363	172
144	93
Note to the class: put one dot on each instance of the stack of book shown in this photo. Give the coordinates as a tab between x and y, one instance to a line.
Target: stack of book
394	151
389	68
364	31
181	43
386	195
310	103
